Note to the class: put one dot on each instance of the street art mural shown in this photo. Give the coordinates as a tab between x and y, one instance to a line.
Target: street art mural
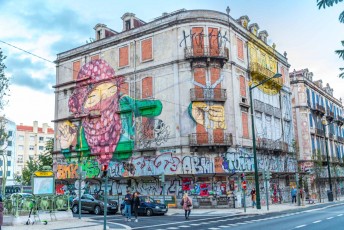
106	115
210	116
144	129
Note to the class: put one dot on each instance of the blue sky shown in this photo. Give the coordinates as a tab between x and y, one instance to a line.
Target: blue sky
45	28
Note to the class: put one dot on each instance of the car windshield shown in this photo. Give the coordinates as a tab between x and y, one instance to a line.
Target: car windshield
148	199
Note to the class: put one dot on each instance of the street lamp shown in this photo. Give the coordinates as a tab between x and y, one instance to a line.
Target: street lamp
329	193
277	75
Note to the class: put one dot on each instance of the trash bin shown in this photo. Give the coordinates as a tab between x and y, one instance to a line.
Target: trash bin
330	195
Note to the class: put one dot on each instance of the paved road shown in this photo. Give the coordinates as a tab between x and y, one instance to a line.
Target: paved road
327	216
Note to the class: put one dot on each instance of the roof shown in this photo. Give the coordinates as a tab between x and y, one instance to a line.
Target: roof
26	128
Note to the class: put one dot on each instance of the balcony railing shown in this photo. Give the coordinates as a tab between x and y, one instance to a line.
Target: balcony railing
208	94
207	139
280	146
329	114
206	52
319	132
340	139
319	109
334	159
260	72
331	135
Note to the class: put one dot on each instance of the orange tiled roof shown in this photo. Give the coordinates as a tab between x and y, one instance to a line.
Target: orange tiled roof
26	128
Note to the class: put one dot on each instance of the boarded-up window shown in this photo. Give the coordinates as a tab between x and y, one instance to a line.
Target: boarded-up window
240	47
283	72
123	56
198	41
95	57
202	135
213	41
76	68
215	76
147	87
199	76
244	120
242	86
124	88
218	136
146	50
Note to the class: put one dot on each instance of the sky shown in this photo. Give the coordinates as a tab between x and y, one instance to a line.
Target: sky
45	28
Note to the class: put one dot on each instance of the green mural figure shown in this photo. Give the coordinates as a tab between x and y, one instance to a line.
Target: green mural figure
106	114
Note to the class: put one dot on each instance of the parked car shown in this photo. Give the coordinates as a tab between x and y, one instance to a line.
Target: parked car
91	204
148	206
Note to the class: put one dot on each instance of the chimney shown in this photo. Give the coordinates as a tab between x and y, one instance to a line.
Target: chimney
45	128
35	126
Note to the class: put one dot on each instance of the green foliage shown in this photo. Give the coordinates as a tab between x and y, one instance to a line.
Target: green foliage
4	81
44	159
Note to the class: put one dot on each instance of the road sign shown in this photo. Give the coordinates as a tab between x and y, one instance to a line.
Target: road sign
243	185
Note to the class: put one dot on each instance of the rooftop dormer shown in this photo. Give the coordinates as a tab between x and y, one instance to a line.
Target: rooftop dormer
263	35
243	21
102	31
253	28
131	22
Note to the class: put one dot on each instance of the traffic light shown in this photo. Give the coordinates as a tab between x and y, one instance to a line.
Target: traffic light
162	178
242	176
104	170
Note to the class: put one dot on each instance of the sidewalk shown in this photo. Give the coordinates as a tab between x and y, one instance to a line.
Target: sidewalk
89	224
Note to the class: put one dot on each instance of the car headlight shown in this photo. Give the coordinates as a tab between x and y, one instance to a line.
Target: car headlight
157	207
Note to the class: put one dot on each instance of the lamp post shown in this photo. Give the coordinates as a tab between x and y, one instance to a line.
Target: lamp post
256	177
329	193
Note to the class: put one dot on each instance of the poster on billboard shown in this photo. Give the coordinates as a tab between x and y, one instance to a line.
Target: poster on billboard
43	185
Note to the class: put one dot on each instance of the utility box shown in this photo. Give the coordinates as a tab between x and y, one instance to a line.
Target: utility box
330	195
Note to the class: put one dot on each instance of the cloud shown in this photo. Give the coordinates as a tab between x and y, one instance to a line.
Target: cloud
24	78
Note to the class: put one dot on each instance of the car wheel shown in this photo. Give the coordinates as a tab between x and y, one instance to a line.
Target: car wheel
97	210
75	209
149	212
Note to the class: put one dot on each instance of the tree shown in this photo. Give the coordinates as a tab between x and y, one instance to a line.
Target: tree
4	82
317	170
44	159
329	3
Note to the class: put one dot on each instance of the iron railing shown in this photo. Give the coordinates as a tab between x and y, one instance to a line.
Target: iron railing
207	139
208	94
206	52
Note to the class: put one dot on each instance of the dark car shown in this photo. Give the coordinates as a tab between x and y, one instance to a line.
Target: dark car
148	206
91	204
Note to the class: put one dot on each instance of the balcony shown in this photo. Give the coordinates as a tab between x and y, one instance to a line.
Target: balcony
280	146
259	106
330	135
340	139
206	53
207	139
329	115
339	120
260	73
265	144
319	132
319	109
208	94
335	159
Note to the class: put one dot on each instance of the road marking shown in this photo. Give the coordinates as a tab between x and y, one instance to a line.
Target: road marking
301	226
318	221
172	228
195	224
122	225
214	228
340	215
184	226
223	226
329	218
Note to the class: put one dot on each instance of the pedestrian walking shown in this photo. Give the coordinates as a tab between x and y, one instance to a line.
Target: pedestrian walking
293	195
127	205
253	197
187	205
136	204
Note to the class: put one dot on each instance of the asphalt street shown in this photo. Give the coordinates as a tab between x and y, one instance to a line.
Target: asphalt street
326	216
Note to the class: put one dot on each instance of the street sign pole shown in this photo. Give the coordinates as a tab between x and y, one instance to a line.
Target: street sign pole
266	188
105	200
79	200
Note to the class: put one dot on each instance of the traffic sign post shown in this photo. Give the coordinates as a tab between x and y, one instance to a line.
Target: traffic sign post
244	187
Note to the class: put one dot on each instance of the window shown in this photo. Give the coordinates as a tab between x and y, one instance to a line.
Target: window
198	41
311	120
8	163
20	147
0	173
1	163
127	25
40	147
31	157
123	56
10	133
242	86
240	48
9	153
32	138
31	147
8	173
41	139
146	50
244	119
9	143
20	138
147	87
76	68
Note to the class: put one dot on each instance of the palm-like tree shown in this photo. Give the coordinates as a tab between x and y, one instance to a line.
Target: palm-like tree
329	3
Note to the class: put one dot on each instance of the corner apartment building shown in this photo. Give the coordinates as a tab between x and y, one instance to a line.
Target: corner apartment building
30	143
7	152
314	104
171	96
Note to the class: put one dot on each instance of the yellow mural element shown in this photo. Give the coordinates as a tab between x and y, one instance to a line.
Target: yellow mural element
101	92
263	65
211	116
67	134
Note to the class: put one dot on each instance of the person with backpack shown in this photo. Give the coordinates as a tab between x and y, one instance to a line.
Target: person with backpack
186	203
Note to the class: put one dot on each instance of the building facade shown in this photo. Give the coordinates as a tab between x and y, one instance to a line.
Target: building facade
7	153
318	120
172	97
30	143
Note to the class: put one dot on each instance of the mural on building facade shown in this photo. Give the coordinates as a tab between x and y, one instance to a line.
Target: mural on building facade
106	114
210	116
144	130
